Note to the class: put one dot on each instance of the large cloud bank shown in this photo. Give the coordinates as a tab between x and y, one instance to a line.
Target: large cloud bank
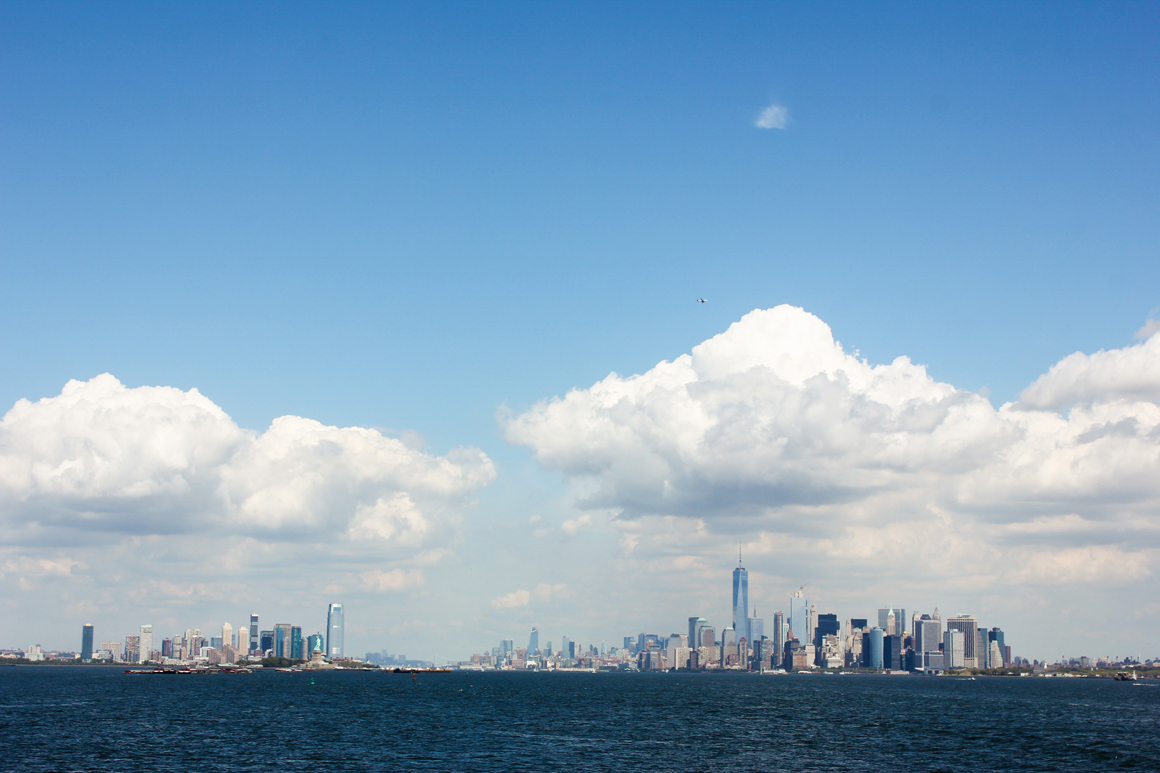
772	428
101	457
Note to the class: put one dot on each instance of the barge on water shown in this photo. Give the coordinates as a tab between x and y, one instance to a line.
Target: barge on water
187	671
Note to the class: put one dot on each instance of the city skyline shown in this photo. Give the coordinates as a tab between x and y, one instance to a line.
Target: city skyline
398	304
917	640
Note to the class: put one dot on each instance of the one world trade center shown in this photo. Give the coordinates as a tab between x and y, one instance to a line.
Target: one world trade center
741	601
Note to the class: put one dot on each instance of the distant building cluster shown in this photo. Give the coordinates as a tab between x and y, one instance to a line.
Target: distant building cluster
801	639
191	647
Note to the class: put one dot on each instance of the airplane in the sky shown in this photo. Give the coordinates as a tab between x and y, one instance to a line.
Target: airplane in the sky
701	300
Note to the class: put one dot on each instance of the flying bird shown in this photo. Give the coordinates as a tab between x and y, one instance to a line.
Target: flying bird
701	300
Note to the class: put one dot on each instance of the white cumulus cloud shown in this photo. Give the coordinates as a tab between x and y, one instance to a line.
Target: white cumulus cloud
771	429
158	460
1131	373
773	117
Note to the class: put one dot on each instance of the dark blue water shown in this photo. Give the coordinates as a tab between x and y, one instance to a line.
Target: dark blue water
95	719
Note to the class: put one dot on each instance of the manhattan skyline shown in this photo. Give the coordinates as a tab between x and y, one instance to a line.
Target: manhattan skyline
398	306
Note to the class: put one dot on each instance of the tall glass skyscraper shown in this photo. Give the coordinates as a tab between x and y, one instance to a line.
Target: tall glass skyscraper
876	640
253	634
534	640
87	642
282	640
334	631
741	602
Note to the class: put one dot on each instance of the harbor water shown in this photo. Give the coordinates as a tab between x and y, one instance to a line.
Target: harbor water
99	719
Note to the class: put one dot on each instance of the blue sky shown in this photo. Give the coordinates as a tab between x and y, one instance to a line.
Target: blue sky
409	216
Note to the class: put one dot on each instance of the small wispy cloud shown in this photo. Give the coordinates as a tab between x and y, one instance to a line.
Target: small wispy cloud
517	598
1151	327
773	117
576	524
394	580
545	592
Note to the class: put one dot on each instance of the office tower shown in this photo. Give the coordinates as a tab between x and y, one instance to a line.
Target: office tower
892	652
646	641
227	635
145	644
813	624
507	647
707	651
334	631
282	640
316	642
892	621
927	638
799	614
87	642
827	625
876	660
603	648
564	645
728	647
969	627
953	647
265	642
756	629
995	635
113	648
855	628
741	600
296	644
695	626
571	653
534	640
995	655
254	640
778	632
